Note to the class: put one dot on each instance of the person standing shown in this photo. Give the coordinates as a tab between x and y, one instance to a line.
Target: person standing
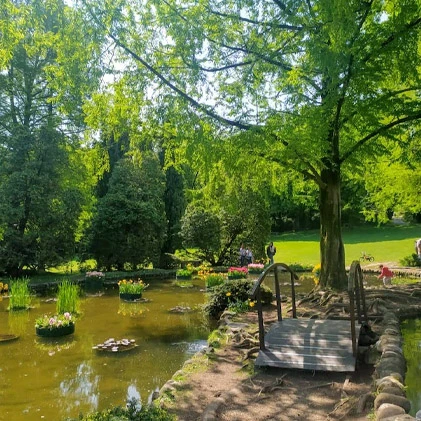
418	248
386	274
249	256
242	255
270	252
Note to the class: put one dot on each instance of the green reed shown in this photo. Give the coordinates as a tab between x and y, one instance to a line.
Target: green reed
67	298
20	297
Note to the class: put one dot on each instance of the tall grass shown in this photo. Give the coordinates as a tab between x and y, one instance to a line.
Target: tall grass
20	297
67	298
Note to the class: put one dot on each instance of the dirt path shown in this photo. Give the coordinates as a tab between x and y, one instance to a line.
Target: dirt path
229	390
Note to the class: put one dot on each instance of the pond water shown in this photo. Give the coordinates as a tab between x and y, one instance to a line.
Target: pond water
411	332
55	378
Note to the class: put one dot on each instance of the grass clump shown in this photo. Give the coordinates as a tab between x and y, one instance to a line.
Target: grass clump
20	297
67	298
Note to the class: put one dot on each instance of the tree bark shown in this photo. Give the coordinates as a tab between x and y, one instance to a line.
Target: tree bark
332	250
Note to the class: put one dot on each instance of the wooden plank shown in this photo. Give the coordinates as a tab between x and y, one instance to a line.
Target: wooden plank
311	344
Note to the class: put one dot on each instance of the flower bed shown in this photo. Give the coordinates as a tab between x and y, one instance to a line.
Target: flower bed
237	272
255	267
53	326
131	290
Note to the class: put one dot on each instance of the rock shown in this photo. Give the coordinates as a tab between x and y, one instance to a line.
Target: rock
388	398
393	390
387	410
404	417
389	381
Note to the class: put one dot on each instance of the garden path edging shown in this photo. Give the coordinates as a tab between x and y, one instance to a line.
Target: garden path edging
389	375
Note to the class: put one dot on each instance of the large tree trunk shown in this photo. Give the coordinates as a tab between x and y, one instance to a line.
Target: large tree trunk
332	251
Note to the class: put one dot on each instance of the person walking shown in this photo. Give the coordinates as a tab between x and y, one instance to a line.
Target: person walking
386	274
270	252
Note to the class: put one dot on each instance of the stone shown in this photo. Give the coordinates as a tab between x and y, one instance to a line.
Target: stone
393	390
397	400
389	381
405	417
387	410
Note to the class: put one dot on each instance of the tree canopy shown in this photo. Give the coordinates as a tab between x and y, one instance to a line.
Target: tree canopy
314	85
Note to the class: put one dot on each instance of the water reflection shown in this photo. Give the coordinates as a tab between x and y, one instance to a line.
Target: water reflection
80	389
411	332
18	321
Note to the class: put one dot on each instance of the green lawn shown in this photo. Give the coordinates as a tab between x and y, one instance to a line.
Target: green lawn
386	244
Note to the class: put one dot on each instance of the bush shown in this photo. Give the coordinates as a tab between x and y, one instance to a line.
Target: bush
413	260
229	293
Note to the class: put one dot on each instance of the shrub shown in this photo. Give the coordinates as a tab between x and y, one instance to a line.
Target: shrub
413	260
227	294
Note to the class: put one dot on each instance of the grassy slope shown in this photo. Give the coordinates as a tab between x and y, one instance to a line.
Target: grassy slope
386	244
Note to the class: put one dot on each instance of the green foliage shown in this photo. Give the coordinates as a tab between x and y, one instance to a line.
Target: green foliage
131	413
344	89
68	299
232	293
46	69
20	297
216	338
412	261
214	279
201	228
184	272
131	287
51	322
129	225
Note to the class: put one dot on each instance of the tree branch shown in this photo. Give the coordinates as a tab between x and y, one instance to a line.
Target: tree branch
255	22
282	6
379	131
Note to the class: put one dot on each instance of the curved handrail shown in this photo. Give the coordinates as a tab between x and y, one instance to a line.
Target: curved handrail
256	295
356	300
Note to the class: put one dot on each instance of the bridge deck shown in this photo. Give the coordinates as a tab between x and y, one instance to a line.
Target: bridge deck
311	344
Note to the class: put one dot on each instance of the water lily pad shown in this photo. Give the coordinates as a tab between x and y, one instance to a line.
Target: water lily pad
113	345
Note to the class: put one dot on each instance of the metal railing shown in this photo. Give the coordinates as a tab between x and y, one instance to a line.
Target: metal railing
255	294
357	303
356	300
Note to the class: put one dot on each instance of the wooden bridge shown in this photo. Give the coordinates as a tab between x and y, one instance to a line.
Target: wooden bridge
311	344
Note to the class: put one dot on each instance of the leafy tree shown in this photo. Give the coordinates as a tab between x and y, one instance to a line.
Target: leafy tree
224	213
44	76
130	225
392	187
314	85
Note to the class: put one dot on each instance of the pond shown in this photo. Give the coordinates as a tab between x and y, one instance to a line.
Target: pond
411	333
55	378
